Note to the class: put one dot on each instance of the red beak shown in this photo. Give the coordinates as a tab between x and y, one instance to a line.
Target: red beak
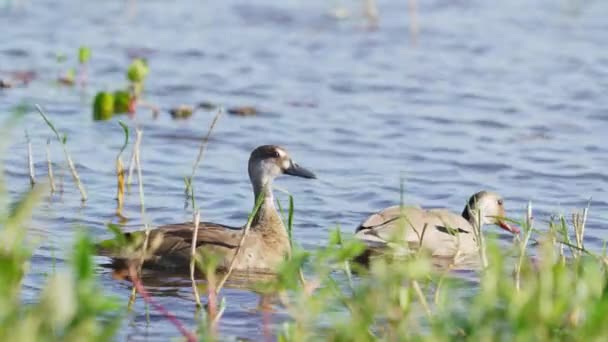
507	227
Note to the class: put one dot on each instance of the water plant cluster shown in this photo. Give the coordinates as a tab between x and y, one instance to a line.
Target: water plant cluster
107	104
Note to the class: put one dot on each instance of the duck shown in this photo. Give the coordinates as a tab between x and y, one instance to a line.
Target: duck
265	246
440	232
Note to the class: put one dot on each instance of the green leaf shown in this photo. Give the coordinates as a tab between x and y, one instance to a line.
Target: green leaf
13	232
49	123
350	250
137	71
290	220
81	258
335	237
70	74
103	106
125	128
60	57
118	234
84	54
122	99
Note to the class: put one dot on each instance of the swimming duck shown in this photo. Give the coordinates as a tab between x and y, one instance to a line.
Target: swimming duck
266	245
438	231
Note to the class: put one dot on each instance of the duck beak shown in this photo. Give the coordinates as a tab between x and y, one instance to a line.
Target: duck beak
296	170
508	227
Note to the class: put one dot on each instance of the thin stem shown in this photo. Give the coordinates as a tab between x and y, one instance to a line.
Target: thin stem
371	12
140	182
422	299
412	14
258	204
49	165
197	297
30	160
120	172
68	158
201	151
190	337
523	245
133	156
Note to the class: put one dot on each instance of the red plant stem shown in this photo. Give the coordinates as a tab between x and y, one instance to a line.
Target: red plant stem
264	305
148	299
212	306
266	321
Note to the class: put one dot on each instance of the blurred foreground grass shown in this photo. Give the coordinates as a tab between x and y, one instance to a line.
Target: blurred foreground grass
70	306
545	287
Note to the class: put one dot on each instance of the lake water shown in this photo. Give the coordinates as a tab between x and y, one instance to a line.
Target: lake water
508	96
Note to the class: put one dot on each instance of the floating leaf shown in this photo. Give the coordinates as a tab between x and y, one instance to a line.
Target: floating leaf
60	57
103	107
84	54
122	99
138	70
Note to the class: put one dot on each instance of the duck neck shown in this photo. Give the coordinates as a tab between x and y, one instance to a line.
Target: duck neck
267	217
471	217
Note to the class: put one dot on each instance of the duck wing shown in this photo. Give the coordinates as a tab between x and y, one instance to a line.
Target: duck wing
439	231
173	242
179	236
385	225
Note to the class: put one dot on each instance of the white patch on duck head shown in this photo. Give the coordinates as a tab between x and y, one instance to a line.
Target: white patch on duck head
282	153
489	205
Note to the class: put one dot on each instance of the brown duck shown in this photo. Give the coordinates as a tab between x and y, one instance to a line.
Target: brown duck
265	246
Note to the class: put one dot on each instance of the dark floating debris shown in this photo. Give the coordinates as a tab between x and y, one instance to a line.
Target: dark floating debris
243	111
207	105
15	78
5	84
182	112
185	111
23	76
68	79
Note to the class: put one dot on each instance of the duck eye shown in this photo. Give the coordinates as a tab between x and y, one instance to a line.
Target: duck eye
499	202
275	154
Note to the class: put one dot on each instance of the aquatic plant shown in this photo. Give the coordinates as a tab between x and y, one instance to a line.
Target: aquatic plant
63	140
136	74
71	305
120	172
103	106
121	101
68	78
201	152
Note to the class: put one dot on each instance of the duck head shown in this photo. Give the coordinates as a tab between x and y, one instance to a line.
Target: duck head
270	161
487	207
